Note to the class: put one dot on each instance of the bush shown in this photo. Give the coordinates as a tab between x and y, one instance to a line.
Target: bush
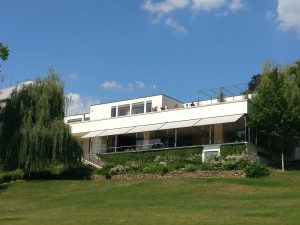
228	150
256	170
11	176
150	156
176	165
151	169
190	168
40	175
119	169
82	172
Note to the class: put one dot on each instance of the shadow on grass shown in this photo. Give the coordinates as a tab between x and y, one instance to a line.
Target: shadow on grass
290	165
3	186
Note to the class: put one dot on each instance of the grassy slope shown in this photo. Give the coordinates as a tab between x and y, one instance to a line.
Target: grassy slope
269	200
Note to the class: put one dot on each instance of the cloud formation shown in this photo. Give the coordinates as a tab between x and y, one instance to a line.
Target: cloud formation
175	25
78	105
136	85
166	6
111	85
288	15
207	5
237	5
162	10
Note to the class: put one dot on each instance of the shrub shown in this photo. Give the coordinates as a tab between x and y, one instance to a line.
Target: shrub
255	170
150	156
176	165
164	170
17	174
11	176
82	172
190	168
228	150
151	169
230	165
119	169
40	175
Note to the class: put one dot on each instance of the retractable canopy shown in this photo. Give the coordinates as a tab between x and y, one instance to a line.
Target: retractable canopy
150	127
217	120
165	126
115	131
179	124
92	134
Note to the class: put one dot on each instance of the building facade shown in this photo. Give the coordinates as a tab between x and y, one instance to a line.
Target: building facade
160	121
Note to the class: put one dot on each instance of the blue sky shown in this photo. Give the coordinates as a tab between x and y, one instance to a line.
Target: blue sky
108	50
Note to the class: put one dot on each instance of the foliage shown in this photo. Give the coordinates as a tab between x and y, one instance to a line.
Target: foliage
11	176
276	106
232	149
34	135
221	97
253	83
80	172
256	170
190	168
4	52
151	156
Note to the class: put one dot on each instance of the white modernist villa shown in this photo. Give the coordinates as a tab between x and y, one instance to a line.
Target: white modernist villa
160	121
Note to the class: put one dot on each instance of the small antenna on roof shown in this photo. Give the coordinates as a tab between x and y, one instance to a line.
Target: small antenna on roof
152	87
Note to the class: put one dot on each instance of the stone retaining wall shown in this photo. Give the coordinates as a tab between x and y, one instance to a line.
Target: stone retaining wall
177	175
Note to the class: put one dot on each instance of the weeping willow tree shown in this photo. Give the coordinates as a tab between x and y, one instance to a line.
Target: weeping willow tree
34	135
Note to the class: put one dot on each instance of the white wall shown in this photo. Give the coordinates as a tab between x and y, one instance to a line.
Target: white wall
80	116
170	102
227	108
103	111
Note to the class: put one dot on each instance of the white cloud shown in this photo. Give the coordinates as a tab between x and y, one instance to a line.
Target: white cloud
163	7
161	10
111	85
175	25
288	12
140	84
237	5
78	105
270	15
136	85
207	5
73	76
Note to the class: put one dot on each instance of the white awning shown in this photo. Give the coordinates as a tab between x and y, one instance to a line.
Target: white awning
179	124
115	131
150	127
92	134
219	119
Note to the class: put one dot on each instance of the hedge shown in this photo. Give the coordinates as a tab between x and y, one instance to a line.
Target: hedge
149	156
232	149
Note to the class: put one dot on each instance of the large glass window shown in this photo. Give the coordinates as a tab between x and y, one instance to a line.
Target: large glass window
137	108
148	106
113	111
123	110
234	132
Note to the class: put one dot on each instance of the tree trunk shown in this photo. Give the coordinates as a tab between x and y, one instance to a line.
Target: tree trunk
282	161
282	156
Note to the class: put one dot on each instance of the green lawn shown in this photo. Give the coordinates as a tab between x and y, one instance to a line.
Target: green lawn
269	200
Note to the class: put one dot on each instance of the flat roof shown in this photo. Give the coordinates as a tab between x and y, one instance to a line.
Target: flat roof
129	99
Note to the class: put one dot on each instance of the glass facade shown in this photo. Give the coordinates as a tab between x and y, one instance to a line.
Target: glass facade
123	110
137	108
113	111
148	106
189	136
